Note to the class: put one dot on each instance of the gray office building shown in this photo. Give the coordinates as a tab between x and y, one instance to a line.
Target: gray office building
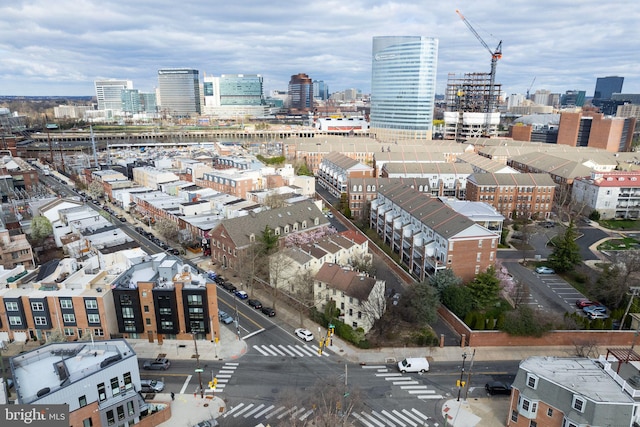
179	92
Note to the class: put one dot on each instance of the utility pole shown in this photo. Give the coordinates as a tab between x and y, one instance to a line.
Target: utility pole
198	369
461	381
466	392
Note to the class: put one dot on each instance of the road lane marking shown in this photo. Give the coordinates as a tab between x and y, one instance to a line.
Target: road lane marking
259	414
186	383
254	333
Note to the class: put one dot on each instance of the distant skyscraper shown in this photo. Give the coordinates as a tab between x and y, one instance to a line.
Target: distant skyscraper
573	98
232	95
301	92
320	90
179	91
605	87
109	93
403	87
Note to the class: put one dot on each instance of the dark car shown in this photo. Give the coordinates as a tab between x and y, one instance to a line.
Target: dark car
269	311
219	280
122	219
229	287
173	251
255	303
497	387
157	364
138	230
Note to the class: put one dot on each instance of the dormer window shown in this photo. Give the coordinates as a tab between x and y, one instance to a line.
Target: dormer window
295	226
286	229
304	224
316	221
277	231
252	237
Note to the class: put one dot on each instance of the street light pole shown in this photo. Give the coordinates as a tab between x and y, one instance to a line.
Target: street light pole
195	343
464	357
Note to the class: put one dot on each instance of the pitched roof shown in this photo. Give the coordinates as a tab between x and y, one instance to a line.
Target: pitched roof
430	211
348	281
240	229
513	179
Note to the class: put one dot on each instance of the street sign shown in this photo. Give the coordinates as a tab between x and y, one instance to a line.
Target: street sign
199	370
331	325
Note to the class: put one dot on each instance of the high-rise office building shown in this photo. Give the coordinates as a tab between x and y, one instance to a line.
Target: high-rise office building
109	93
605	87
403	84
301	93
233	95
135	102
320	90
573	98
179	91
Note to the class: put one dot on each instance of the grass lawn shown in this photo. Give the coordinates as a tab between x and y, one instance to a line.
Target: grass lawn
620	224
619	244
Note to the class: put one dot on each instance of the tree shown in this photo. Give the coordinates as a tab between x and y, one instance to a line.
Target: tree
302	284
269	240
41	228
566	254
617	278
524	321
485	288
422	303
167	228
96	189
458	299
364	264
274	201
443	280
374	307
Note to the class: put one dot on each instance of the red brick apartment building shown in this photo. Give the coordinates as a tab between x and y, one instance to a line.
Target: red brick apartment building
525	194
337	169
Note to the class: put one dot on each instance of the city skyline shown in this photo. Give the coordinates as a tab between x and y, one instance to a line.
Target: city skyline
63	50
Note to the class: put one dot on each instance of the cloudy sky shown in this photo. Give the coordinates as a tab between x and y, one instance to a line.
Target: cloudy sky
59	47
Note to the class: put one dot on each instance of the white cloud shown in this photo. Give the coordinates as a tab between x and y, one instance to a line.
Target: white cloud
61	47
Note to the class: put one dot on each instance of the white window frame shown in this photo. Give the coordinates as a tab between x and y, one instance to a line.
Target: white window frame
534	379
40	320
67	316
568	423
64	302
15	320
69	332
37	306
11	305
93	318
91	302
582	400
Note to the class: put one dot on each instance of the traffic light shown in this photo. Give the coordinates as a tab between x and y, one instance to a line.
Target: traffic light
215	382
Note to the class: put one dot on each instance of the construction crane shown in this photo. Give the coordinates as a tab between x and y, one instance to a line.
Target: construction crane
530	86
495	56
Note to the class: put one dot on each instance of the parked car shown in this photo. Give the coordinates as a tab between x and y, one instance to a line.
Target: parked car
218	279
241	294
304	334
545	270
255	303
151	386
583	302
224	317
548	224
594	309
269	311
497	387
160	363
597	315
229	286
173	251
414	364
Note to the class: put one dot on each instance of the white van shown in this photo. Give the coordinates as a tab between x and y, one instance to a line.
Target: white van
414	364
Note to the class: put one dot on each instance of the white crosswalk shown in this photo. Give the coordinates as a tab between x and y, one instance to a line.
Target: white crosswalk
406	383
267	412
224	374
394	418
290	350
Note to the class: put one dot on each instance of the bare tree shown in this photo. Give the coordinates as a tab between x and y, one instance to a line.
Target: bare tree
280	272
167	228
374	308
96	189
364	264
275	201
302	284
252	261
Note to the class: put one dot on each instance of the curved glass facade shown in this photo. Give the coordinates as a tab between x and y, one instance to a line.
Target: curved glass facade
403	85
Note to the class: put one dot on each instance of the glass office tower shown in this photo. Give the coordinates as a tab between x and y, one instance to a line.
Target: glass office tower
179	91
403	85
605	87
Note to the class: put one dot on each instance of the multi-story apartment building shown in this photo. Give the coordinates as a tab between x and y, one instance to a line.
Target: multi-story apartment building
62	298
359	298
445	179
429	236
300	93
15	250
179	90
151	177
570	392
521	194
336	169
361	191
613	194
232	237
232	181
163	298
100	381
403	85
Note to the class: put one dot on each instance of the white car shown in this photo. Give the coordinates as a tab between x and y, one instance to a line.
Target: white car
545	270
304	334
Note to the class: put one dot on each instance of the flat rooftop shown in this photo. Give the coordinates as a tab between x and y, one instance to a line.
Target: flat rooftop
60	364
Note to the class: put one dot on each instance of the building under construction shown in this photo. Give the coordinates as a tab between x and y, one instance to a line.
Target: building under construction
469	103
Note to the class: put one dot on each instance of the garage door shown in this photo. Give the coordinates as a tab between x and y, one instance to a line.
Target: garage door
20	336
